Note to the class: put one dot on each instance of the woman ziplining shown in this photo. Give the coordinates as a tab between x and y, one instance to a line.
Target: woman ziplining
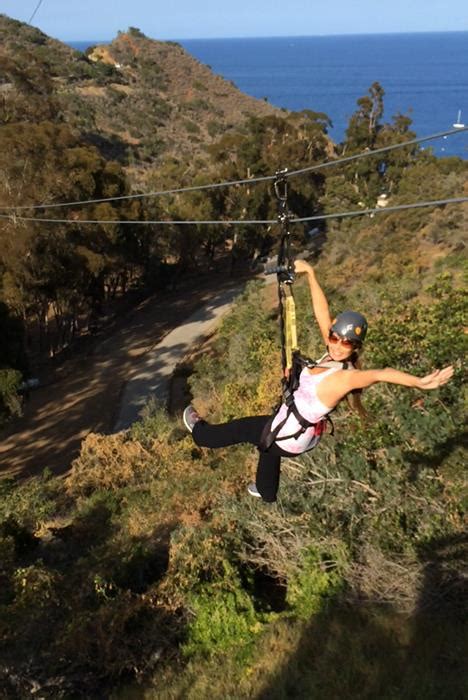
313	390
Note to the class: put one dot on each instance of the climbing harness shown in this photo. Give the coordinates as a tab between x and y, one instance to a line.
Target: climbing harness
289	387
291	359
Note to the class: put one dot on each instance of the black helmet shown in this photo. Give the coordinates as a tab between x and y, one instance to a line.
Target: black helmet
350	325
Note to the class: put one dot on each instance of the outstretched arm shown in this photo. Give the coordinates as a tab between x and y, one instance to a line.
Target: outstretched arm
364	378
319	300
335	387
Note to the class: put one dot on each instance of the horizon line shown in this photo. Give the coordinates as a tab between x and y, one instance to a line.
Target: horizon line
280	36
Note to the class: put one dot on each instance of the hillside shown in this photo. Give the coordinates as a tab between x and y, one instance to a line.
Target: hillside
149	564
134	115
139	100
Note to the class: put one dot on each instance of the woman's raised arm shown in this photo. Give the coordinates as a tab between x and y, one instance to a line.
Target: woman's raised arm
319	300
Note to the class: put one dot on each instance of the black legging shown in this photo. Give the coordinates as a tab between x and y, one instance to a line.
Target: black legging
246	430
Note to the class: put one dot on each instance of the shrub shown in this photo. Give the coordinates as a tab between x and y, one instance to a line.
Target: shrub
317	579
109	462
32	502
223	620
191	127
10	403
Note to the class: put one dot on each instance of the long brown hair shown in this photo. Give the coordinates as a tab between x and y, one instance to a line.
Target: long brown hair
354	397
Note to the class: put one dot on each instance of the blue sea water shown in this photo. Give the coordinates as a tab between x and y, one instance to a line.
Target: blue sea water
423	75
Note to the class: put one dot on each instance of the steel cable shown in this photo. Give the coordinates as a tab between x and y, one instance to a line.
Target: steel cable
217	222
231	183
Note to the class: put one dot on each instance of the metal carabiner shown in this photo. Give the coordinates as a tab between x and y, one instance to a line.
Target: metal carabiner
281	180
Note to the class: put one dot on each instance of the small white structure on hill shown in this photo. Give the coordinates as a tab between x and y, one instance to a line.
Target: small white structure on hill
382	201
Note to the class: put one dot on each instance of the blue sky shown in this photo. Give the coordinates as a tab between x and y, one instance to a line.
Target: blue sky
184	19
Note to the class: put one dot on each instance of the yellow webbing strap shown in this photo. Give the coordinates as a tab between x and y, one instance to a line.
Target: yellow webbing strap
290	332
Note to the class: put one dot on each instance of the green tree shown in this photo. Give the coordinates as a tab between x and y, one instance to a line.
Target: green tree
60	271
265	146
13	361
365	124
360	183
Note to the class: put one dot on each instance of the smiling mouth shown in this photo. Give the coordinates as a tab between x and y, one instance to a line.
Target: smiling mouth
339	352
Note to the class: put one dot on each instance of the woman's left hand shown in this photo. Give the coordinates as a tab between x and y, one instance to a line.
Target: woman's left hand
436	379
302	266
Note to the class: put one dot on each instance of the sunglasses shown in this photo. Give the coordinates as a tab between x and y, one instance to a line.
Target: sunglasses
334	339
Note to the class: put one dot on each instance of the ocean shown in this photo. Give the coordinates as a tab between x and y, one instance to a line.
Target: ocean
424	75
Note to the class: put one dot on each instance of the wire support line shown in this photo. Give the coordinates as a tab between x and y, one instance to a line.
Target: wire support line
136	222
145	195
35	11
381	210
232	183
221	222
377	151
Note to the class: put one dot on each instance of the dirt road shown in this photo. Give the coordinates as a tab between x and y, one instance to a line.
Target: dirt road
86	398
152	373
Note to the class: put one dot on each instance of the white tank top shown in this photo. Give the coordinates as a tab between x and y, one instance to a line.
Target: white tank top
309	406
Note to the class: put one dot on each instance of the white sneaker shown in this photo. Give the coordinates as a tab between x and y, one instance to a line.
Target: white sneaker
253	491
190	418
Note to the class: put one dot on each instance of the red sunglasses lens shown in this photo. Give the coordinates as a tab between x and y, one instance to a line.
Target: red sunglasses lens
333	338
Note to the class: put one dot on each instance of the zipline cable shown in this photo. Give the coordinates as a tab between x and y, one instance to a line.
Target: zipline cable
231	183
377	151
381	210
137	222
35	11
144	195
219	222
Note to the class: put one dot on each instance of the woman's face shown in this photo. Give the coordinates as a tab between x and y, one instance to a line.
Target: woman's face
339	348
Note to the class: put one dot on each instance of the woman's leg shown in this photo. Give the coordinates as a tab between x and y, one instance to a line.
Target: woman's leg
236	431
245	430
268	475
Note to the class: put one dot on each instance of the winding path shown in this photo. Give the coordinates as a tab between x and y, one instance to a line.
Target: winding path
92	391
152	377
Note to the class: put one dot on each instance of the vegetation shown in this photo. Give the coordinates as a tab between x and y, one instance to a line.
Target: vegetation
148	572
152	546
159	88
62	115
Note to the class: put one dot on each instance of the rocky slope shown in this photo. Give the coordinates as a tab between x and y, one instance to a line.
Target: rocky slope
139	100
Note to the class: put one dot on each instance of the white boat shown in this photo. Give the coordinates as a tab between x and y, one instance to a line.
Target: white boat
458	124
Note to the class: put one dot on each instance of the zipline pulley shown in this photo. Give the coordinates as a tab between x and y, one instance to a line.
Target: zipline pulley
285	275
291	359
285	261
